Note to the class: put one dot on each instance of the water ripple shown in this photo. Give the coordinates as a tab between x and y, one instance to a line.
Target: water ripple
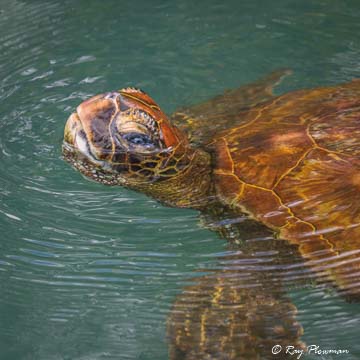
91	272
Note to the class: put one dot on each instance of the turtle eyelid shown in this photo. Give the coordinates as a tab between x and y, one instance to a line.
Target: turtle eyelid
138	139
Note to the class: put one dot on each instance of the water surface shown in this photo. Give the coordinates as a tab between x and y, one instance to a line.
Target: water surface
91	272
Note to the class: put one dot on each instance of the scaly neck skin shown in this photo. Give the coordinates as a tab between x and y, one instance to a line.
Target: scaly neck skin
190	188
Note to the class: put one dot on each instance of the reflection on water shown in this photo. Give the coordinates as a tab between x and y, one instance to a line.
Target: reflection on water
92	272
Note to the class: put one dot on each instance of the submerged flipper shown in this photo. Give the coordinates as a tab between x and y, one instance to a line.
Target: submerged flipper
239	310
222	316
203	120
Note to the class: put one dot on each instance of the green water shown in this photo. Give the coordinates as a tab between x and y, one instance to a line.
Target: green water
89	271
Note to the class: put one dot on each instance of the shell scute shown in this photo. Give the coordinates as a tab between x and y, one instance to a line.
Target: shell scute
298	160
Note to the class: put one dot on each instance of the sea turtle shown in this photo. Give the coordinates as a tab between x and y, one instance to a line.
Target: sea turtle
290	162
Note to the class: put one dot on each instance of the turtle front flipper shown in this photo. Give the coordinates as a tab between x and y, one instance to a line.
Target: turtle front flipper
224	111
239	310
222	316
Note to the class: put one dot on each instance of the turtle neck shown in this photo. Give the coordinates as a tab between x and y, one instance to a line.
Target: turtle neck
190	188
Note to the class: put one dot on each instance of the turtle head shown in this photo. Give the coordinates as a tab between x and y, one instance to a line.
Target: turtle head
124	138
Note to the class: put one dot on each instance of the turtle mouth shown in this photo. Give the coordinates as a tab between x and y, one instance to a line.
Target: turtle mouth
76	142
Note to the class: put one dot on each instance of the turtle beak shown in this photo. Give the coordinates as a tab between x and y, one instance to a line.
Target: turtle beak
72	127
75	137
87	129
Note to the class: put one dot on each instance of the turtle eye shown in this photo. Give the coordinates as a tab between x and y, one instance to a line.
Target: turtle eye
138	139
